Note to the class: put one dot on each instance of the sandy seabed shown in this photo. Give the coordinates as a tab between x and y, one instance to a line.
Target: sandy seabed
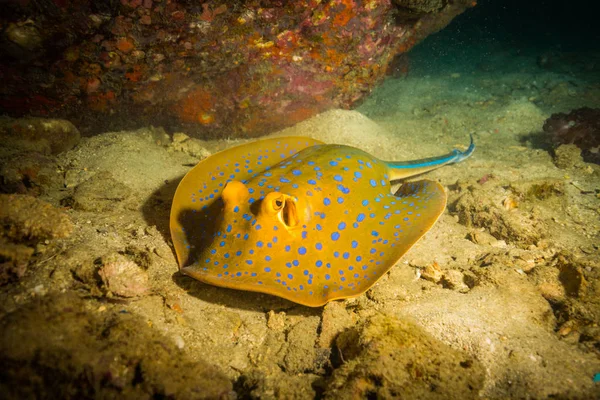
500	299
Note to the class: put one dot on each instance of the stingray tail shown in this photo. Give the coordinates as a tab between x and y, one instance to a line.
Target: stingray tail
403	169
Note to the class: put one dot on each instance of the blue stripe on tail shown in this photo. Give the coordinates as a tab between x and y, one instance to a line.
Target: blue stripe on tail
451	158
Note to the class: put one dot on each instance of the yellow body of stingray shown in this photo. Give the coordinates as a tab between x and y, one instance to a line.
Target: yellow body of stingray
300	219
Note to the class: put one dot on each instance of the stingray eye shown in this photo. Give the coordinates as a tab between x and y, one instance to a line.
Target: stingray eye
273	203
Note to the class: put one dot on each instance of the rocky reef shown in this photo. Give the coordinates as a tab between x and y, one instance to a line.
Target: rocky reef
580	127
225	69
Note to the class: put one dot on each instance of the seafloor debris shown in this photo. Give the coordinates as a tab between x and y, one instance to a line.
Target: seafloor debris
123	277
99	193
567	156
27	219
578	312
50	343
580	127
476	207
42	135
193	147
24	222
387	358
228	69
29	173
27	147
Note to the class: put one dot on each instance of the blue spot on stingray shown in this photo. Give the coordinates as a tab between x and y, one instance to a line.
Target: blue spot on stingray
296	263
312	181
288	247
284	180
354	244
343	189
327	277
249	262
346	255
342	226
236	209
297	172
259	243
335	236
357	174
360	217
302	251
337	178
340	200
318	246
319	263
257	227
365	202
373	182
333	163
326	201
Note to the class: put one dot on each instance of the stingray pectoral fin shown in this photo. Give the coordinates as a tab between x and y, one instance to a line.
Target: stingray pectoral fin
403	169
425	201
198	204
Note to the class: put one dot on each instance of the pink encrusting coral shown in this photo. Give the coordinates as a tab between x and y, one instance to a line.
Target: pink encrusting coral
222	68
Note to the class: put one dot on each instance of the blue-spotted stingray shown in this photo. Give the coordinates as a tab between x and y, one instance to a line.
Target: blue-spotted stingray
296	218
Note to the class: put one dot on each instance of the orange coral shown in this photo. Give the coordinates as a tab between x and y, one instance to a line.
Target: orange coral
125	44
101	101
345	15
197	106
135	74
